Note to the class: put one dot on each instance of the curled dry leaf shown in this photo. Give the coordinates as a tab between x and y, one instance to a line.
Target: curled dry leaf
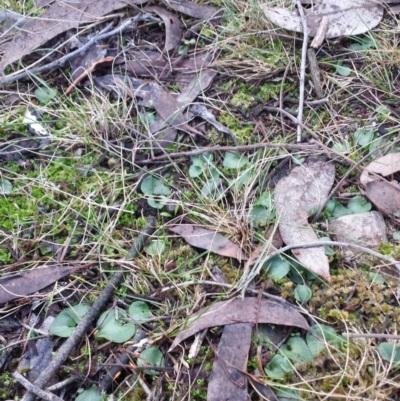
304	189
345	17
247	310
385	195
210	240
173	26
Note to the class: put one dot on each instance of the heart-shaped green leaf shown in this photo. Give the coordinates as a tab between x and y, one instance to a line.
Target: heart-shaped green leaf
302	293
115	328
65	322
139	312
151	357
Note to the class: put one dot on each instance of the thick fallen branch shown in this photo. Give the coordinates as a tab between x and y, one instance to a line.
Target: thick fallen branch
72	342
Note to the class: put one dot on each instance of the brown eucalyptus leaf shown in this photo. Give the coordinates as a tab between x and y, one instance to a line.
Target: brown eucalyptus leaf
210	240
384	166
173	26
58	18
296	195
345	17
247	310
28	282
227	382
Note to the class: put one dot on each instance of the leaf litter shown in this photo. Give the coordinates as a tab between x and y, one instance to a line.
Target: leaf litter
174	111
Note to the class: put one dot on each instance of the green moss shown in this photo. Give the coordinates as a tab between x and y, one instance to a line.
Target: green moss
243	131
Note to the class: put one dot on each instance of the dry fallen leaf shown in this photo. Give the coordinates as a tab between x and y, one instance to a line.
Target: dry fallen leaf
247	310
30	281
384	166
384	194
227	382
210	240
345	17
304	189
173	26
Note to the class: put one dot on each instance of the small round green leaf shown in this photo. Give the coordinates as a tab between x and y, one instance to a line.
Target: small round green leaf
154	186
147	185
45	94
376	278
364	137
389	352
296	350
195	171
285	394
65	322
328	250
92	394
277	267
302	293
111	329
343	70
278	367
327	333
139	312
359	205
260	215
5	187
234	160
155	248
210	187
157	202
151	357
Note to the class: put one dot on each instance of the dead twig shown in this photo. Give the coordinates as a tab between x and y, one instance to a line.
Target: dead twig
315	72
372	335
281	99
302	69
72	342
225	285
218	148
34	389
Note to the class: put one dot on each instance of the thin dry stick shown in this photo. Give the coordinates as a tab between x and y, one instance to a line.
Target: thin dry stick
72	342
225	285
281	99
250	276
302	69
34	389
60	62
372	335
218	148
